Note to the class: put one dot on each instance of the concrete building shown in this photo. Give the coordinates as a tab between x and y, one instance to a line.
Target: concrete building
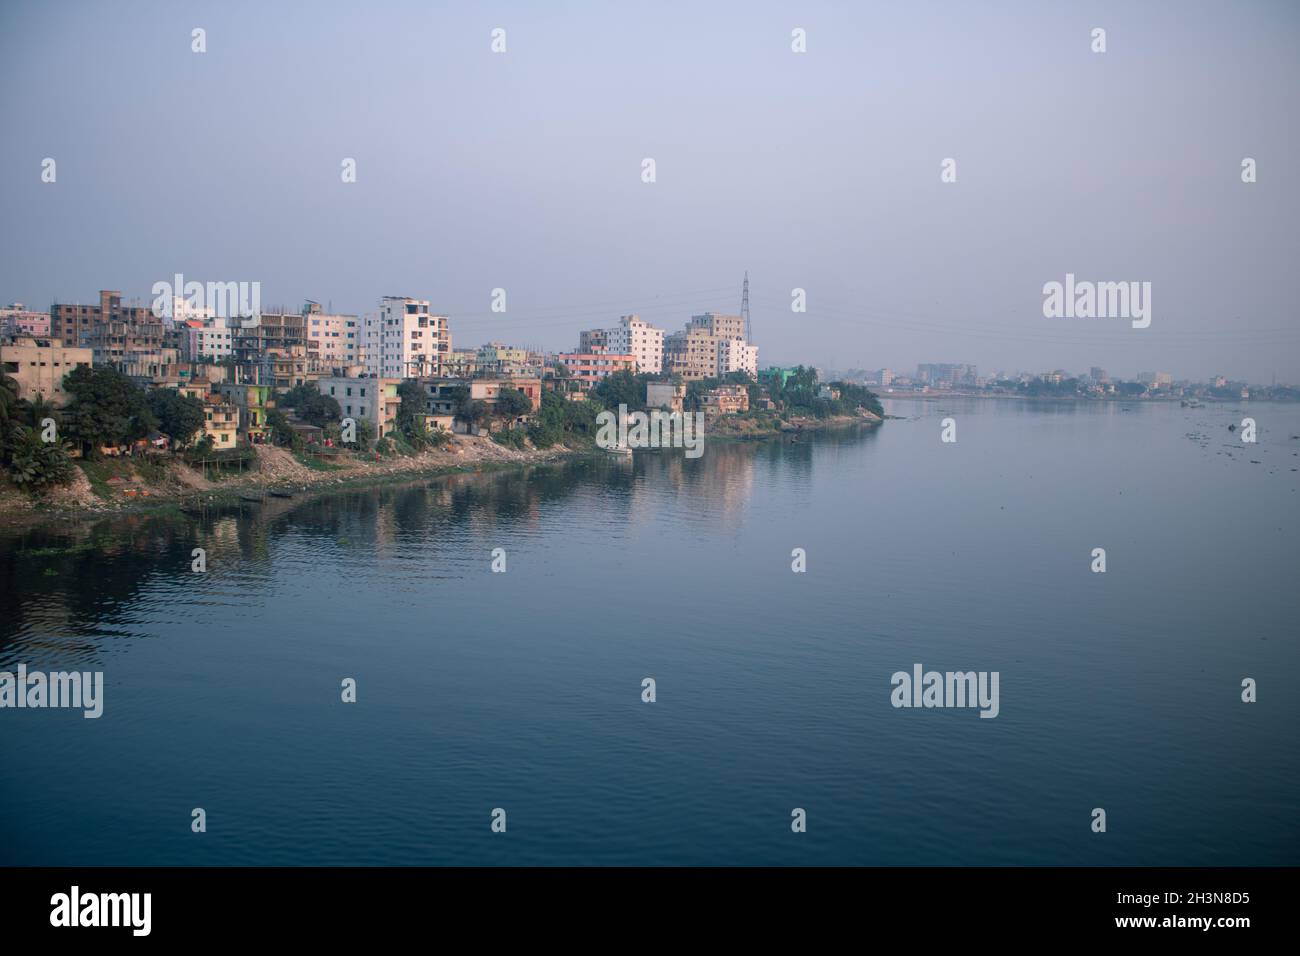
461	363
38	365
691	354
588	368
252	401
220	422
17	319
497	359
206	340
736	355
69	323
374	400
405	340
338	337
632	336
669	395
726	400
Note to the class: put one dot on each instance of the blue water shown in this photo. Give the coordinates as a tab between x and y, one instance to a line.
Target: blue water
522	690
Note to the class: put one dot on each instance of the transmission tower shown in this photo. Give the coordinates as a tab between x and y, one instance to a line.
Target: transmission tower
744	310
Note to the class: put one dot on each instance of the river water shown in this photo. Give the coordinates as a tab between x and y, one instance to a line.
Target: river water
522	690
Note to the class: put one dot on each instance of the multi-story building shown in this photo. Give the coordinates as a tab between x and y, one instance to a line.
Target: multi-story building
339	337
691	354
498	359
252	401
220	422
946	374
69	323
461	363
737	355
632	336
208	340
38	365
374	400
405	340
443	394
588	368
17	319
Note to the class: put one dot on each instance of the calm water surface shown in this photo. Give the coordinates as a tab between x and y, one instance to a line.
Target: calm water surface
522	690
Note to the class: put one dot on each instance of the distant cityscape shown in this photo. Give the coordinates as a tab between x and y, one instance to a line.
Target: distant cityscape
237	360
1096	383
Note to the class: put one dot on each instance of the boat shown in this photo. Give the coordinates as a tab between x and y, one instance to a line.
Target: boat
281	493
1191	403
622	451
251	497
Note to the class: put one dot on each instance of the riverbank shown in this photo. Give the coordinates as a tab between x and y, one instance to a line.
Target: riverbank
757	427
130	485
133	485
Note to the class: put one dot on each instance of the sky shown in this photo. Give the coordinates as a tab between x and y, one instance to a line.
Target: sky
821	171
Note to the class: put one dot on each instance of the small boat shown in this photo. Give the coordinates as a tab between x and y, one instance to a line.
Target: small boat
622	451
1191	403
281	493
251	497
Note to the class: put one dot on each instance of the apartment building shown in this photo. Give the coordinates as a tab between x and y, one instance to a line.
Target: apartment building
220	422
69	323
588	368
443	394
374	400
252	402
461	363
338	337
38	365
737	355
691	354
405	340
498	359
17	319
207	339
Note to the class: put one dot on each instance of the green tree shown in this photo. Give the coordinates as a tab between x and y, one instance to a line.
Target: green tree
179	416
512	404
107	408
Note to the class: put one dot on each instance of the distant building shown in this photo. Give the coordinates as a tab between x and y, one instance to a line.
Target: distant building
252	401
374	400
69	323
206	339
338	337
39	364
669	395
736	355
726	400
17	319
589	368
498	359
405	340
1098	375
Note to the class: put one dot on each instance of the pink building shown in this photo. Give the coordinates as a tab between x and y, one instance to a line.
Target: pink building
588	368
16	319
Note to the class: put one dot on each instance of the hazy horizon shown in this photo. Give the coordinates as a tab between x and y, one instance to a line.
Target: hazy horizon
821	170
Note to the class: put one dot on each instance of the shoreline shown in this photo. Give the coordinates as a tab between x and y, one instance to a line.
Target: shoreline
184	490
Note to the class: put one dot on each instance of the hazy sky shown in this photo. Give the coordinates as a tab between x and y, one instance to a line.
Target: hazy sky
819	170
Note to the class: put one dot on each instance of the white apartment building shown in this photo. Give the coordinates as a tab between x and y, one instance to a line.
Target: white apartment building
404	340
638	338
338	336
737	355
207	339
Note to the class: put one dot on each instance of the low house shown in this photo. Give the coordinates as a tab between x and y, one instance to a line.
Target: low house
39	364
726	400
669	395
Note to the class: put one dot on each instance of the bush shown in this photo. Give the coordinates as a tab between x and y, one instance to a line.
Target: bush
34	464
